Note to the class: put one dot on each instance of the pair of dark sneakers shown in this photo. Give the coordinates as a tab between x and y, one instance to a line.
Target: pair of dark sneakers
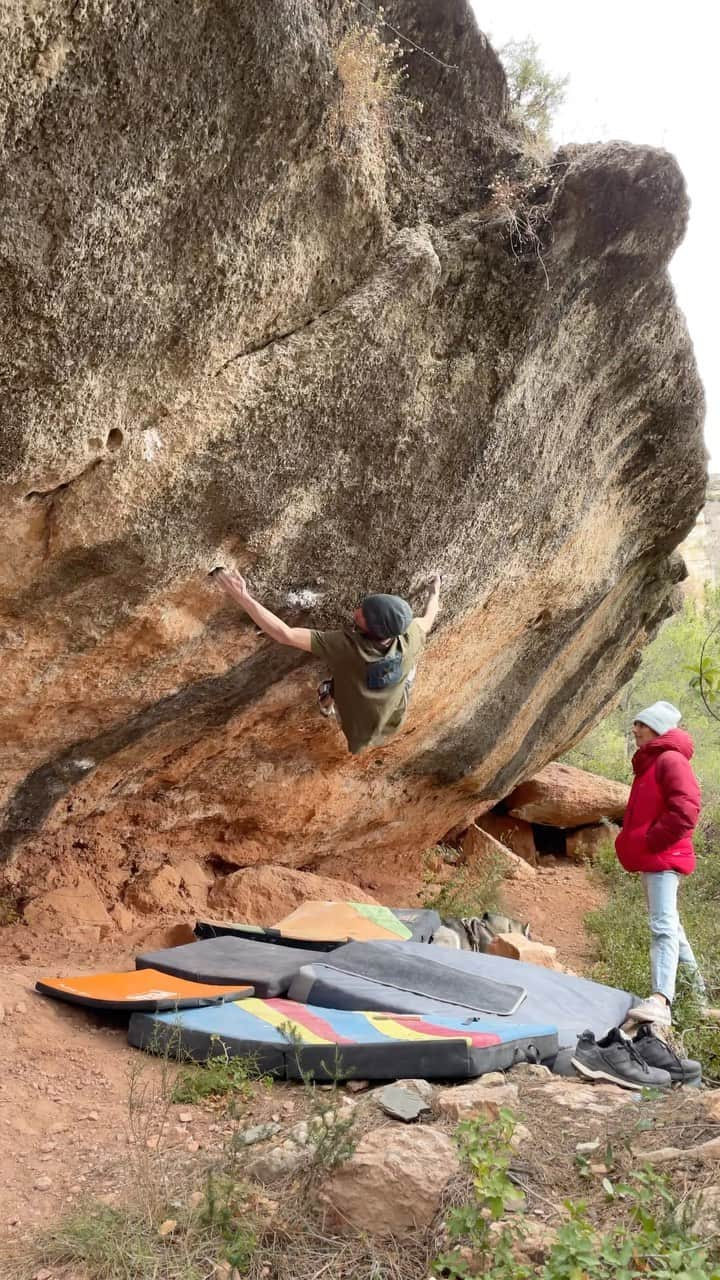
646	1062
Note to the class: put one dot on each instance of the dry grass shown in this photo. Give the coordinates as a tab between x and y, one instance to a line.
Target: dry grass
280	1233
369	76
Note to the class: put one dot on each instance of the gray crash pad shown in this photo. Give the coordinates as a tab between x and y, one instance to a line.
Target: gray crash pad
437	973
386	975
225	959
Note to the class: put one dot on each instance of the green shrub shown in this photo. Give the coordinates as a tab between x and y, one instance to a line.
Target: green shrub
218	1077
648	1239
668	669
472	889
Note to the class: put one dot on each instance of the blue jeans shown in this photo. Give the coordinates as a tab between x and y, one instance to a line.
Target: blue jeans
669	945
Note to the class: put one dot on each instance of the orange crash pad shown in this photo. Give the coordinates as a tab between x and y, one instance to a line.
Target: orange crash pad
342	922
141	990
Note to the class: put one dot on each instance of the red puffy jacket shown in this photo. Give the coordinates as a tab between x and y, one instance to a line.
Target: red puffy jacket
663	807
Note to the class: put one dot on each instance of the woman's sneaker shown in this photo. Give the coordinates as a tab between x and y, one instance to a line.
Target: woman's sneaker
654	1009
615	1059
658	1054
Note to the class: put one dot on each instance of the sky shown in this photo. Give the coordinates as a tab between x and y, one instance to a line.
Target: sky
643	72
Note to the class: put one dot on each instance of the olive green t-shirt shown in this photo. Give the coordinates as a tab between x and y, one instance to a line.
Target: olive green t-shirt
370	682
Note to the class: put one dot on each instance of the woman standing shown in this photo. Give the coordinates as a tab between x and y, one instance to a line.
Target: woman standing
656	841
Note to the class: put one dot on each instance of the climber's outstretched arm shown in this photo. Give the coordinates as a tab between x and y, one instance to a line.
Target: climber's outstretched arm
274	627
427	619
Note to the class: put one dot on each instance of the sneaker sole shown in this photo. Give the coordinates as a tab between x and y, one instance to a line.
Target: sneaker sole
604	1075
649	1019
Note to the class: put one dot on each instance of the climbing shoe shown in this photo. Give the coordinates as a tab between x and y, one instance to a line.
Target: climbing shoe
656	1053
615	1059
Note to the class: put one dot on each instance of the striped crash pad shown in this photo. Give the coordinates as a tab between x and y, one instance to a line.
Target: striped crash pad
325	925
144	989
294	1040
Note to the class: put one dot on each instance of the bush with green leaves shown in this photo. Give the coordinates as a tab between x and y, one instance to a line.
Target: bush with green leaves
221	1076
473	888
534	92
669	670
648	1240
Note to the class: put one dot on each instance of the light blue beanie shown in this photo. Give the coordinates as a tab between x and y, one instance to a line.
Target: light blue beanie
661	716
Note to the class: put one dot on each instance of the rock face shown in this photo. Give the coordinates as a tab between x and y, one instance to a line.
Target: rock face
562	796
477	844
258	309
586	843
263	895
512	832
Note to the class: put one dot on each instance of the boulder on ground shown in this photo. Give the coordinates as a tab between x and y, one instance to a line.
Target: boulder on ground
263	895
515	946
515	834
479	845
78	903
156	890
393	1182
585	843
563	796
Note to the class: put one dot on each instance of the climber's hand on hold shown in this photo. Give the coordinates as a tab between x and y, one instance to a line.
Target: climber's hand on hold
426	621
233	583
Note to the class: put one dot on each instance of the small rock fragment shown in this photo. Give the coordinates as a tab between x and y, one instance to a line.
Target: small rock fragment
514	946
477	1099
43	1183
167	1226
531	1071
277	1163
401	1104
257	1133
585	1148
423	1088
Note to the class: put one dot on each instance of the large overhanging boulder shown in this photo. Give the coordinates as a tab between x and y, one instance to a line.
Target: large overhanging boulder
265	302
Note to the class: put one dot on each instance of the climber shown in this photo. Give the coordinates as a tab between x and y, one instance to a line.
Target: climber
372	666
656	841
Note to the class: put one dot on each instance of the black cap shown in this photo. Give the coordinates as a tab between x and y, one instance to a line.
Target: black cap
386	616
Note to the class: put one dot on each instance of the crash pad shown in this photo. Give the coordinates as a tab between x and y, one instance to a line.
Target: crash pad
266	967
322	926
295	1040
138	989
434	972
392	976
340	922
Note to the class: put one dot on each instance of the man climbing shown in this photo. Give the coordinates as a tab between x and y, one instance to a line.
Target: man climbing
656	841
372	666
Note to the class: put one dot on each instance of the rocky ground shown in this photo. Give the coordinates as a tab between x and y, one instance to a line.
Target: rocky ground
82	1115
